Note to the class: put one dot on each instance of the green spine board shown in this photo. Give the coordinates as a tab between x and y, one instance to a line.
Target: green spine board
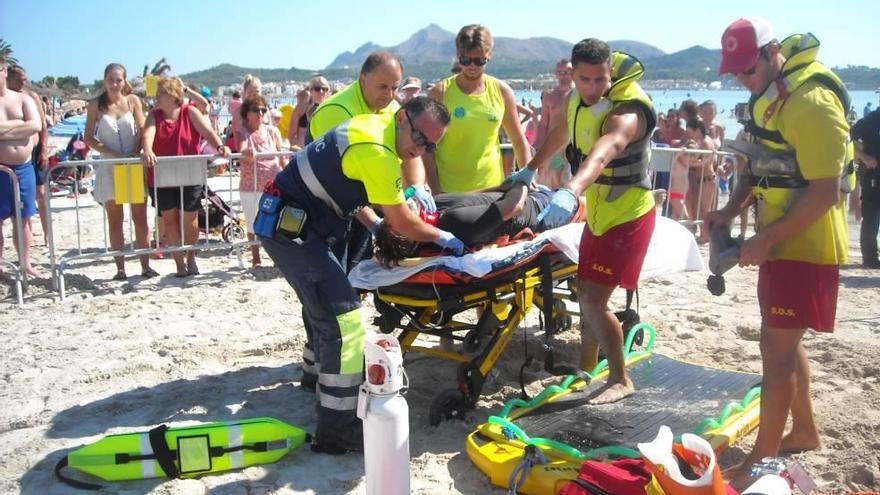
99	458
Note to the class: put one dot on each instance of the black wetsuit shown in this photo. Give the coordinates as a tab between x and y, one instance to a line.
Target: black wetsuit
475	219
868	131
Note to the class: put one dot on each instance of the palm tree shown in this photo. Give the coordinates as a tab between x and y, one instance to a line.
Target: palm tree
6	52
159	69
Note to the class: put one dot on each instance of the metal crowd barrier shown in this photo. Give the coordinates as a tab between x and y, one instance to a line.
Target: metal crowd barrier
177	171
18	273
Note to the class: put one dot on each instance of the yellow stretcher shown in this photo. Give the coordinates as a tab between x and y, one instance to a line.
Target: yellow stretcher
432	302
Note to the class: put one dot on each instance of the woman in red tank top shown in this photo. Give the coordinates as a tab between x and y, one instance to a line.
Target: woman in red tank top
174	129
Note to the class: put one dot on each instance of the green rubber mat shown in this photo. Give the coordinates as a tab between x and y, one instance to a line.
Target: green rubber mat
668	392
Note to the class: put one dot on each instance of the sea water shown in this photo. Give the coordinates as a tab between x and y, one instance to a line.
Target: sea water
667	99
725	101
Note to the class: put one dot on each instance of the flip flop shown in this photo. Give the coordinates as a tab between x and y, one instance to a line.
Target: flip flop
149	273
120	275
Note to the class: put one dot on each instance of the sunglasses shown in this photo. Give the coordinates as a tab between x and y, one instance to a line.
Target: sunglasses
418	136
478	61
751	71
563	73
260	110
320	89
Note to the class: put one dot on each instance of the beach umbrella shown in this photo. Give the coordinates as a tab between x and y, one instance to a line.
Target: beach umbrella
47	90
73	105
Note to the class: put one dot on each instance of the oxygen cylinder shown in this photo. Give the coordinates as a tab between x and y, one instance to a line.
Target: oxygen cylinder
385	414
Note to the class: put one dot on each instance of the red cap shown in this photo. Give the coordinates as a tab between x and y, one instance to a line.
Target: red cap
741	44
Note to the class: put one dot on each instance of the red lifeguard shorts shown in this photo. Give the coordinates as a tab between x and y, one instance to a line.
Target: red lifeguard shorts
615	258
796	294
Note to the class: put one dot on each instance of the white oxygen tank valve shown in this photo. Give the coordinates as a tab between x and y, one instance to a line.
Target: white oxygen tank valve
385	414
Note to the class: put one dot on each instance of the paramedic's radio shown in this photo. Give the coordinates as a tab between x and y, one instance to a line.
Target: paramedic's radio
291	222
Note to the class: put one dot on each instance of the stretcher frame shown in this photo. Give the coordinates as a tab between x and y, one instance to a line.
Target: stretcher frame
503	307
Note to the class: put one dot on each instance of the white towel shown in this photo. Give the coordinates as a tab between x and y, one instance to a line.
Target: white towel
672	249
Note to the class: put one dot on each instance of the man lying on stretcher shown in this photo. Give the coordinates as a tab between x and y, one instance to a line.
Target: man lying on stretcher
477	218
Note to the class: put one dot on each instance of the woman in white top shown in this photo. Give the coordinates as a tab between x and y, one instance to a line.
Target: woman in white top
114	124
257	137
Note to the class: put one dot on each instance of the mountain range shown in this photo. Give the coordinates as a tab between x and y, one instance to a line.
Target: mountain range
429	52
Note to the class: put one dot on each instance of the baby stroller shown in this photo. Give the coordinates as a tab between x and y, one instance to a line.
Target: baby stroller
218	214
71	178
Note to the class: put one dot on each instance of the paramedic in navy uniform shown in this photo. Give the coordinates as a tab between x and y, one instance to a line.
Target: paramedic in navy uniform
353	165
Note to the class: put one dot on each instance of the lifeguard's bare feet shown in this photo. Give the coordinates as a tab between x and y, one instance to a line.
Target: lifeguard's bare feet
613	392
796	442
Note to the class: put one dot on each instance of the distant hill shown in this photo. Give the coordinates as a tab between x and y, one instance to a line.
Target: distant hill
639	50
428	54
859	76
690	63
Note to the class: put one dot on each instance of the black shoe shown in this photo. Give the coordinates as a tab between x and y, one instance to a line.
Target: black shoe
871	264
308	382
336	441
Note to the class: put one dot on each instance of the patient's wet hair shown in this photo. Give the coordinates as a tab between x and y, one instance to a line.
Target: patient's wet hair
392	247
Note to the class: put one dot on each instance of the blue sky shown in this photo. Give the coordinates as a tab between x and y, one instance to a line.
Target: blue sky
80	37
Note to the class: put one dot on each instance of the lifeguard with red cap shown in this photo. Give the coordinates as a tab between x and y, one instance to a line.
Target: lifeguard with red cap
797	122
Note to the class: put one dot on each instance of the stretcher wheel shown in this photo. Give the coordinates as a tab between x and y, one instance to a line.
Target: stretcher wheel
388	318
561	323
448	404
233	232
472	341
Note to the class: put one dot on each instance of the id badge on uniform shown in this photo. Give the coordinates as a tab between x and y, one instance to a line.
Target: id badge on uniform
291	223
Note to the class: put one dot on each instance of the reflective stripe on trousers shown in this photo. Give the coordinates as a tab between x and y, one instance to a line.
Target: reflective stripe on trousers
334	317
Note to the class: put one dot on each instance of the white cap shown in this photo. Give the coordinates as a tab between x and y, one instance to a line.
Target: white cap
411	83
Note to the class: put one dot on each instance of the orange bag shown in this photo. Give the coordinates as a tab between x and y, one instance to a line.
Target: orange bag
662	457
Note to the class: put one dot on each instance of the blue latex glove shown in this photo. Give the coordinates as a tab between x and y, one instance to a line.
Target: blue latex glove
560	210
423	196
448	241
522	176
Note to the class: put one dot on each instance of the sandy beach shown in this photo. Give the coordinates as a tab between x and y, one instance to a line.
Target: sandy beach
120	356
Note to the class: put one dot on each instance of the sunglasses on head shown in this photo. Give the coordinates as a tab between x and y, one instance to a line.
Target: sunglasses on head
321	89
418	136
478	61
259	110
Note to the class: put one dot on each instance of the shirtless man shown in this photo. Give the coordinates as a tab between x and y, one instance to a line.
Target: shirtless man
16	80
553	108
19	123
